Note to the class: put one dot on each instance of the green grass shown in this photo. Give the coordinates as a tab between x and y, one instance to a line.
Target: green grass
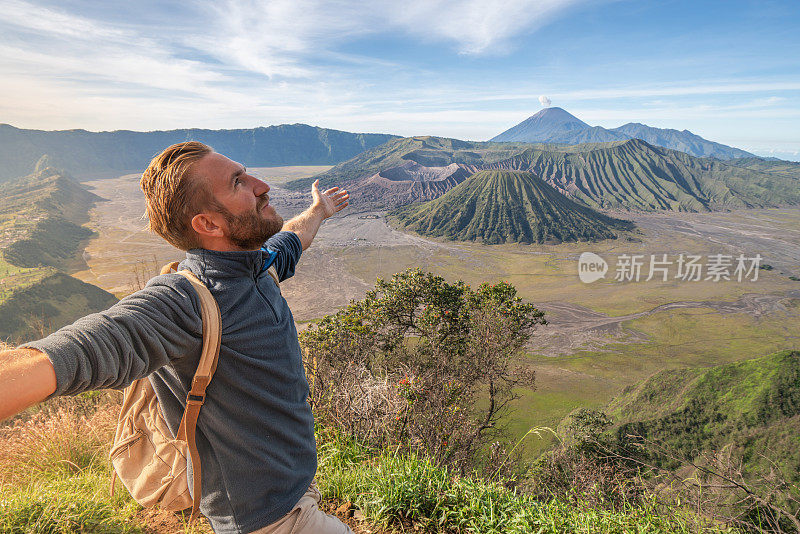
59	504
751	404
14	278
408	492
55	475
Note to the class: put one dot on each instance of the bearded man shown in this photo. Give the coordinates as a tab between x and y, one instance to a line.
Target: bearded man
255	434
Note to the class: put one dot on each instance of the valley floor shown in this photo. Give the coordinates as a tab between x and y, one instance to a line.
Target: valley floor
600	337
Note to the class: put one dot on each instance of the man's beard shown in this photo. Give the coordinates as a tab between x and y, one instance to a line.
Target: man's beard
250	230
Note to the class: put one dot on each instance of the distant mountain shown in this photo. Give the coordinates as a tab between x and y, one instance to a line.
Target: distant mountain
507	207
81	151
627	175
685	141
555	125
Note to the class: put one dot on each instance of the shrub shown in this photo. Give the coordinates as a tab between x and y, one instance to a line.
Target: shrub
422	364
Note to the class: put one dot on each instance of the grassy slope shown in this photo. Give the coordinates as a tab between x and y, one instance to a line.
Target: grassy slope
753	405
507	207
52	301
40	216
785	168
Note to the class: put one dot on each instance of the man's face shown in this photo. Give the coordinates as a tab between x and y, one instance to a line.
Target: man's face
241	199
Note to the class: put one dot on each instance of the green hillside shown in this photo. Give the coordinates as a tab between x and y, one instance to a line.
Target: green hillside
50	302
40	220
753	406
627	175
507	207
785	168
52	242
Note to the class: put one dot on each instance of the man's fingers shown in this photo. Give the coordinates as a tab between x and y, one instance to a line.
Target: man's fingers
342	206
331	190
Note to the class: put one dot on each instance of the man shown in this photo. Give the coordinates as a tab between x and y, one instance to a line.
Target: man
255	433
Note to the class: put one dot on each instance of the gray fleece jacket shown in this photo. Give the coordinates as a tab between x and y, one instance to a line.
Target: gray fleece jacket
255	434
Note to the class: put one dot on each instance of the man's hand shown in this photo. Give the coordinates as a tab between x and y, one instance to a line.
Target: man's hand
323	205
330	202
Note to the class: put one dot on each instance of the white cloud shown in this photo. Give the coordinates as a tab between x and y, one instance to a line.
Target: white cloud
474	26
272	37
48	21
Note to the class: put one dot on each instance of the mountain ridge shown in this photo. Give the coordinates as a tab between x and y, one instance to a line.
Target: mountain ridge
627	175
556	125
82	151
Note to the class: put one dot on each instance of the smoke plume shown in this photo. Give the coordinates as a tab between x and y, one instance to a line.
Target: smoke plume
544	101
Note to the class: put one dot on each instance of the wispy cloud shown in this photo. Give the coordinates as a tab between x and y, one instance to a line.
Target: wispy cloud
474	26
273	37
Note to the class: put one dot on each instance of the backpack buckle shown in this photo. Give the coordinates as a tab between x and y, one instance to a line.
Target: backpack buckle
195	399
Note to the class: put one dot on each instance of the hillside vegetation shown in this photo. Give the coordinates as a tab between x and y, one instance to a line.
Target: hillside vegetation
507	207
49	302
55	477
122	150
625	175
41	216
752	406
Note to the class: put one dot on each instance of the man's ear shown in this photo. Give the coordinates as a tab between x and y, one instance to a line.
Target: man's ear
208	224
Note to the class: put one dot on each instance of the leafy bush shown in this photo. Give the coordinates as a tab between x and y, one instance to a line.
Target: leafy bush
422	364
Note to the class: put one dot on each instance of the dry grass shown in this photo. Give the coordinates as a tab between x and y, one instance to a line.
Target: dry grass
45	441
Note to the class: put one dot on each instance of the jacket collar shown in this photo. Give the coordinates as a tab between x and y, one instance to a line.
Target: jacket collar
229	264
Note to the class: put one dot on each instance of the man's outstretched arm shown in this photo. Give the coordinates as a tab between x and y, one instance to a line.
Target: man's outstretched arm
323	205
26	378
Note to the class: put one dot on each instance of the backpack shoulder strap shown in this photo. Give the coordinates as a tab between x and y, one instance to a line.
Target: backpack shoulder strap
274	274
212	335
168	268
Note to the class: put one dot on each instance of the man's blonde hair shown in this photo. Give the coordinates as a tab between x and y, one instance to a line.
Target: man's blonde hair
173	195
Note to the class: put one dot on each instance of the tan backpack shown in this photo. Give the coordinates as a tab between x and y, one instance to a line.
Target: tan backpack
151	464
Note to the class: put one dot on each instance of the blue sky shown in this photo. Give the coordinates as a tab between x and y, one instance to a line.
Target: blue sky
726	70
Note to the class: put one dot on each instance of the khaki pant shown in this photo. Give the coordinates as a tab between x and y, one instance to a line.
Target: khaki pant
306	518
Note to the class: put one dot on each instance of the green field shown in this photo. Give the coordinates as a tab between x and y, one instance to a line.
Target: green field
13	278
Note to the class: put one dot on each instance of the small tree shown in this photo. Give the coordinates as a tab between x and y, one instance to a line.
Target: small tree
422	363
